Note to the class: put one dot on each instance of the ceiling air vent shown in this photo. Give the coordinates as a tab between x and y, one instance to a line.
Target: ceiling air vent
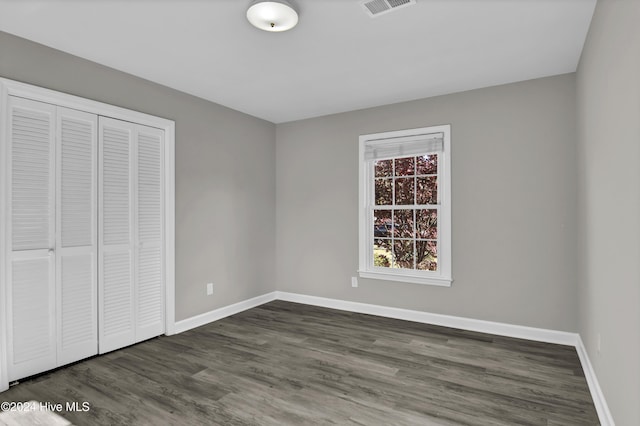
380	7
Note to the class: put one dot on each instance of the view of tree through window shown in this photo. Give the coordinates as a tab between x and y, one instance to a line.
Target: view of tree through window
406	213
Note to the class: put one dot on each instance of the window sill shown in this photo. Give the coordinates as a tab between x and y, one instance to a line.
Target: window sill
437	281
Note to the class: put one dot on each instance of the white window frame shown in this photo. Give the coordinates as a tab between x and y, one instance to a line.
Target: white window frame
28	91
441	277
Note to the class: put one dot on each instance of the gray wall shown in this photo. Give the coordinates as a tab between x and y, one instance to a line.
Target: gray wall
514	204
225	176
608	87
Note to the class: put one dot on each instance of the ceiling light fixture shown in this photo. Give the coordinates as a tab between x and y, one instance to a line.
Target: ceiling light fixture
275	15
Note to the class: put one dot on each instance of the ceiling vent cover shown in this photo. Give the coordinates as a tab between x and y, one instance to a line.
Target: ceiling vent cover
380	7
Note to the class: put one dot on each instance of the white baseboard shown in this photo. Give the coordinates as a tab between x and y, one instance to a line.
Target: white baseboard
606	419
490	327
225	311
497	328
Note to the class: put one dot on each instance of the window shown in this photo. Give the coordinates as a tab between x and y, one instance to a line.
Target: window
405	206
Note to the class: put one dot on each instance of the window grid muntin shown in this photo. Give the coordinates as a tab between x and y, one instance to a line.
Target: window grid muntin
414	207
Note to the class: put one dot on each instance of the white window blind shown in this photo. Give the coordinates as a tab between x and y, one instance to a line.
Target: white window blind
383	149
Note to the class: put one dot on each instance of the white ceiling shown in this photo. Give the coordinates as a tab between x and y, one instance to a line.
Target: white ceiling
337	58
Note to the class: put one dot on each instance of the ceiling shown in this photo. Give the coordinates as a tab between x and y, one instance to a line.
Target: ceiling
337	59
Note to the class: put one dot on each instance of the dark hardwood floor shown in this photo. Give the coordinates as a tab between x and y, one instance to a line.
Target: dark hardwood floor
290	364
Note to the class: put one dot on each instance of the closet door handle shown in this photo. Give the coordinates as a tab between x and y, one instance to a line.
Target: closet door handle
51	251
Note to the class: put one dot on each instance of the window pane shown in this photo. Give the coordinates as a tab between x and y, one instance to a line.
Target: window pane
405	166
427	255
382	223
384	168
427	224
382	255
403	253
384	191
427	164
404	190
427	190
403	224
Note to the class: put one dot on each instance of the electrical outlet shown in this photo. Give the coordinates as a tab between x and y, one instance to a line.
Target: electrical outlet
354	281
209	289
598	343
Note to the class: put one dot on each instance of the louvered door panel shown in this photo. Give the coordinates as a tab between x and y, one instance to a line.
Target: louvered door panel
116	185
31	289
32	331
77	332
117	296
32	183
76	240
149	226
116	273
150	317
77	163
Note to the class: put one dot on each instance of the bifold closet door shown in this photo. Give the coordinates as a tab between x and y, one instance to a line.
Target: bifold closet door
30	234
76	236
52	287
131	241
149	243
115	235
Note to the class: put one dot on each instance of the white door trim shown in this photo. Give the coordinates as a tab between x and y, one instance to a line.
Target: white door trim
4	138
15	88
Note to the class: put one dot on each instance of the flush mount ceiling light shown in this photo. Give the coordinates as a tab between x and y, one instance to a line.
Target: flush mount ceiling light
275	15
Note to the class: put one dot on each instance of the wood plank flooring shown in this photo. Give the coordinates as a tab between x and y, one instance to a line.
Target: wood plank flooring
291	364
